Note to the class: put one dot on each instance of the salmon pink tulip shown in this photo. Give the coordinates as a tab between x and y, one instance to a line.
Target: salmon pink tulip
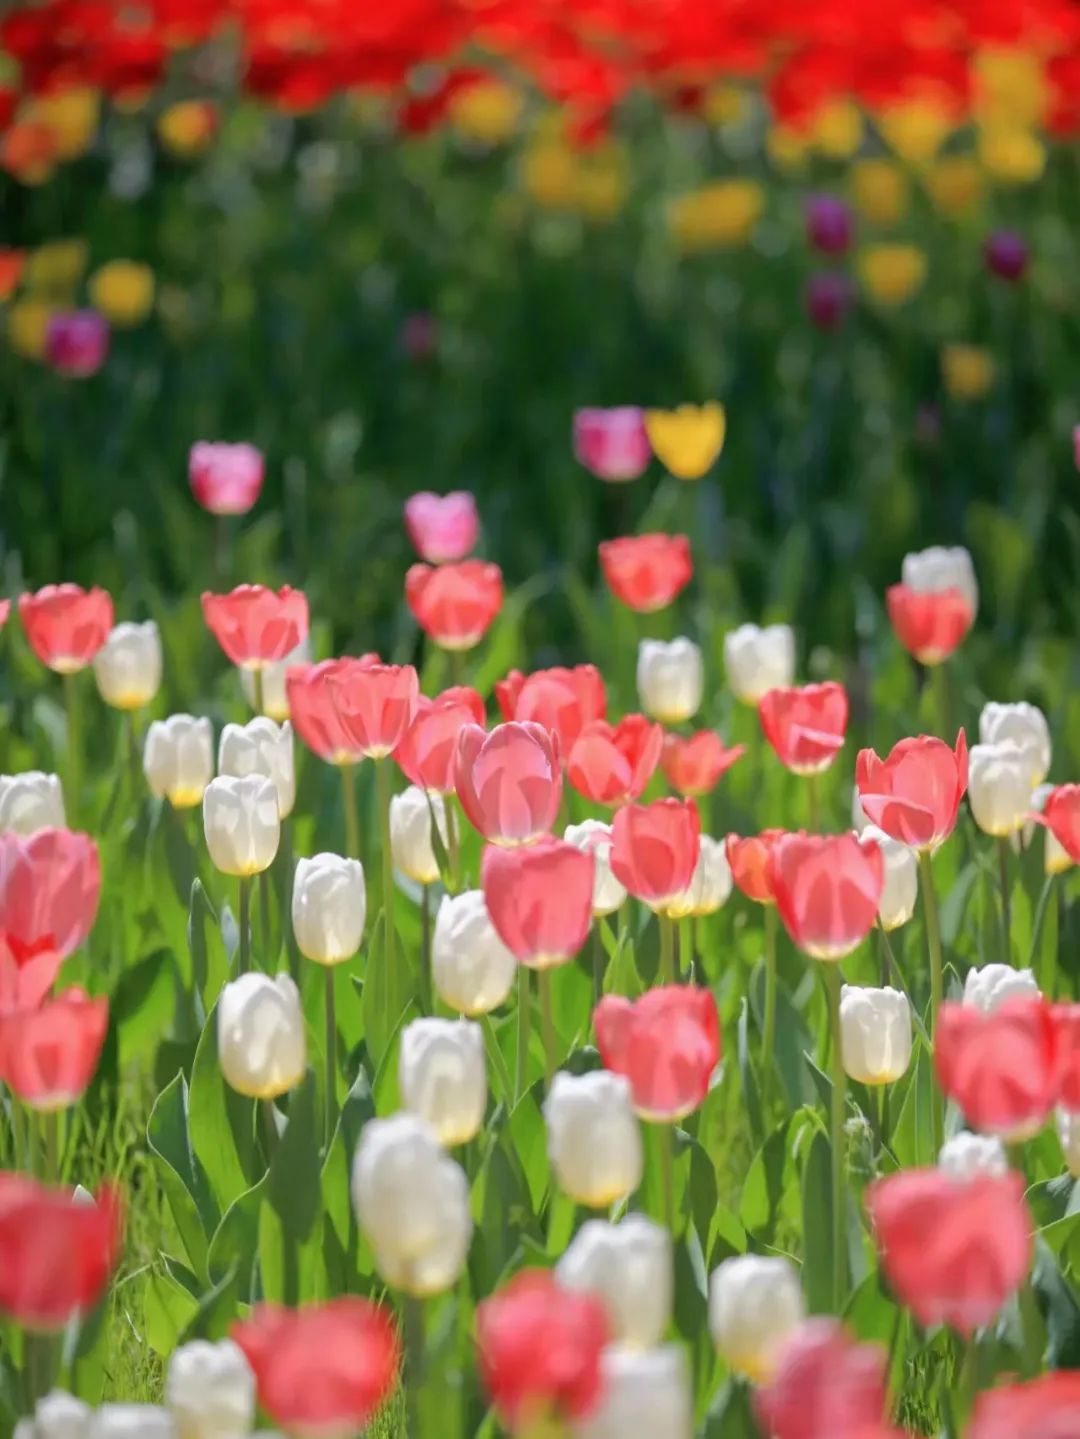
5	611
455	604
1061	815
666	1043
930	626
49	888
66	625
695	765
1046	1408
48	1055
256	626
312	710
539	897
427	749
375	704
1002	1069
827	889
826	1386
564	701
56	1252
610	764
509	782
1067	1022
225	479
749	860
442	528
25	979
655	849
612	444
914	794
805	725
646	572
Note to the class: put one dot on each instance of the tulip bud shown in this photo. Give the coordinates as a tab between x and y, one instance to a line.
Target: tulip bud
965	1156
210	1391
131	1421
128	666
412	1202
178	759
594	1142
999	787
711	883
645	1394
261	747
629	1267
900	891
593	836
755	1305
1056	858
412	814
1068	1128
329	907
875	1034
759	660
933	571
262	1046
240	820
670	679
993	985
1026	726
275	699
31	801
473	971
56	1416
442	1076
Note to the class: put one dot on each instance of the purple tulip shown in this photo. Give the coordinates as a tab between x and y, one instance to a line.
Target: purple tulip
1006	255
419	335
612	444
76	343
827	299
828	224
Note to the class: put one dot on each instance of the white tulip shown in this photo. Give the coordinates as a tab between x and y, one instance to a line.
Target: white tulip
900	891
999	787
593	836
646	1395
1026	726
178	759
264	748
410	833
472	969
593	1137
275	700
930	572
859	818
1068	1128
241	824
710	884
755	1305
989	987
965	1156
1056	858
329	907
131	1421
128	666
57	1416
759	660
875	1034
629	1268
412	1201
31	801
262	1045
210	1391
442	1076
670	679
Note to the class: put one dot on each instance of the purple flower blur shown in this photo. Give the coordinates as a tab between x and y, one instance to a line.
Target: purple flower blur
828	224
1006	255
827	299
419	335
76	343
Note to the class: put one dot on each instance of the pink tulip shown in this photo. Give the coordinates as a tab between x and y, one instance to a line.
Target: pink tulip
509	782
539	898
612	444
443	528
225	479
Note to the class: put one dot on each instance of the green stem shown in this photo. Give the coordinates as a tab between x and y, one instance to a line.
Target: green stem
453	846
834	984
598	964
522	1032
427	1003
547	1025
813	804
1046	970
933	949
50	1145
245	924
21	1156
686	948
289	862
134	753
383	780
73	798
667	1174
331	1058
1003	877
412	1324
667	949
264	922
768	1034
268	1115
352	823
257	685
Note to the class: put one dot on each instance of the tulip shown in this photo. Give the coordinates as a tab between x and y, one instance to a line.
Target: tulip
593	1138
655	849
225	479
539	1349
827	890
1006	255
965	1156
629	1267
755	1306
749	859
955	184
914	793
274	677
442	1076
695	765
412	1203
875	1034
954	1251
988	988
66	625
594	837
123	291
178	759
645	1393
375	704
1023	725
1044	1408
559	700
240	820
5	612
805	726
611	764
412	815
828	224
57	1416
967	371
443	528
509	781
646	572
612	444
1067	1021
128	666
427	749
31	801
48	1056
759	660
687	441
313	708
1002	1069
900	890
56	1252
1061	815
539	898
329	907
667	1043
76	343
940	569
710	884
455	604
210	1390
716	216
261	748
930	625
892	274
131	1421
999	787
824	1384
324	1369
256	626
1056	859
472	970
49	889
262	1045
670	679
827	299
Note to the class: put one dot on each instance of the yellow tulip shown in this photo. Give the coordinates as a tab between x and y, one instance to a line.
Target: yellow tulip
550	176
187	128
723	105
56	267
601	181
968	371
487	113
717	216
915	129
72	116
1011	91
892	273
27	325
954	184
880	191
1012	156
687	440
837	129
787	148
123	290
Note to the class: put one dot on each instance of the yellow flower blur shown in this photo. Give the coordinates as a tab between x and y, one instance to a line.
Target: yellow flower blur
1011	92
954	184
123	290
723	105
787	148
56	267
915	129
488	112
557	176
892	274
880	191
27	325
71	115
968	371
687	440
602	180
837	129
1012	156
717	216
187	128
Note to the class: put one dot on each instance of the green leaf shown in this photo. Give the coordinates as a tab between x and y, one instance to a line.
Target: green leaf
182	1176
168	1309
817	1212
293	1188
235	1245
216	1311
143	1007
221	1124
526	1136
751	1097
355	1113
209	961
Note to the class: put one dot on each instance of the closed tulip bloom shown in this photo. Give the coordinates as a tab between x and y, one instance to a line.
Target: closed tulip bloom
900	891
611	764
66	625
695	765
442	528
375	704
31	801
875	1034
1045	1408
655	849
225	479
428	747
646	572
509	781
412	1202
999	787
1061	815
256	626
50	884
562	701
329	907
965	1156
827	890
412	814
667	1043
241	824
131	1421
262	1045
455	604
827	298
755	1306
76	343
275	697
48	1056
539	898
472	969
313	708
806	725
954	1251
128	666
829	224
594	837
1002	1069
593	1139
930	625
210	1390
711	883
56	1252
914	793
1006	255
612	444
629	1267
1056	858
1024	725
759	660
824	1384
687	440
56	1416
749	857
178	759
261	747
1067	1020
988	988
645	1393
442	1076
670	679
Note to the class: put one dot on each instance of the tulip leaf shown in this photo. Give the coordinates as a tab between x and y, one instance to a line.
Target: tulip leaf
209	962
143	1007
290	1258
751	1096
913	1134
817	1210
216	1313
765	1185
221	1124
730	1415
526	1135
168	1309
235	1245
182	1176
355	1113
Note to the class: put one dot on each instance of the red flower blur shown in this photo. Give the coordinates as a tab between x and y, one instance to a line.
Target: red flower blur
695	765
1003	1069
827	1386
667	1044
611	764
256	626
646	572
375	704
427	749
50	883
1061	815
914	794
562	700
66	625
48	1055
442	528
225	479
805	725
929	625
25	983
56	1252
509	782
655	848
827	889
1047	1408
749	858
455	604
539	897
312	710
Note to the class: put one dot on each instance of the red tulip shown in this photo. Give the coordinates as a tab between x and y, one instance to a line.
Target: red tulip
806	725
953	1250
321	1371
509	782
1047	1408
256	626
427	749
443	528
929	625
539	898
646	572
48	1056
56	1251
610	764
225	479
562	700
1067	1022
49	888
667	1044
455	604
827	1386
5	611
655	848
375	704
66	625
25	979
749	860
695	765
827	889
914	795
539	1350
1061	815
1003	1069
313	712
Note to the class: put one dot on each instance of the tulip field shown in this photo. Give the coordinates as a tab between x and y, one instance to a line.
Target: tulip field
540	746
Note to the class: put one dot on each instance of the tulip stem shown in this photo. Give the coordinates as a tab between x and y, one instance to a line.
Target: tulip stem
1046	970
73	798
453	847
834	984
933	948
245	923
768	1035
813	804
522	1032
50	1146
547	1025
597	964
270	1129
1003	876
667	1174
427	1003
331	1058
686	948
412	1324
289	864
264	921
134	752
383	781
23	1158
667	949
352	824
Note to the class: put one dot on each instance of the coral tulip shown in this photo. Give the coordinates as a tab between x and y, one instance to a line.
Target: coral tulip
49	889
1061	815
427	749
509	782
1046	1408
687	440
646	572
612	444
914	793
225	479
749	859
539	898
455	604
256	626
375	704
667	1044
1003	1068
561	700
929	626
442	528
56	1251
805	725
695	765
25	979
827	889
825	1386
314	712
655	849
611	764
66	625
48	1056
